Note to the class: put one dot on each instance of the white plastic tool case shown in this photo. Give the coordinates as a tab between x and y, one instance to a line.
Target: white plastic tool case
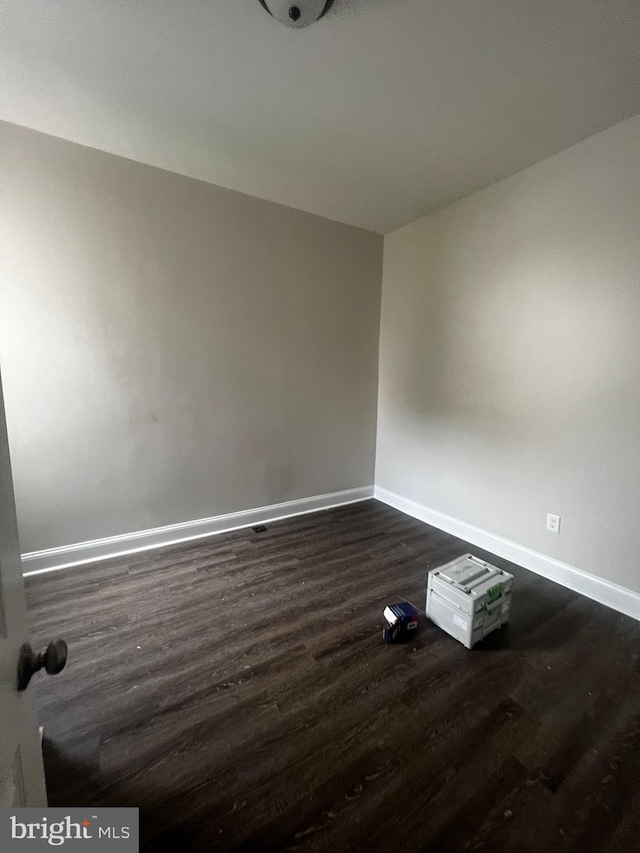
468	598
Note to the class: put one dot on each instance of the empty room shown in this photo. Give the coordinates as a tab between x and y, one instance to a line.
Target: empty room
320	425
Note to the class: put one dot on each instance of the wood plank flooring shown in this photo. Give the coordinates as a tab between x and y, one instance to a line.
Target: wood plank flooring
238	691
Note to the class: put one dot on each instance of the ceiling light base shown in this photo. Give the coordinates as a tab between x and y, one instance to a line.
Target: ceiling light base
297	13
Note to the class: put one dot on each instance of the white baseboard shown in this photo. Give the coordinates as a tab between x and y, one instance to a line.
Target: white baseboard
52	559
612	595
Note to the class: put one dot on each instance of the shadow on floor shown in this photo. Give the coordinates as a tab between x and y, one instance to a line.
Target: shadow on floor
93	788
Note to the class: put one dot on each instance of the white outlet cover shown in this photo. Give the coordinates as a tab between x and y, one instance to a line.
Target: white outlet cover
553	523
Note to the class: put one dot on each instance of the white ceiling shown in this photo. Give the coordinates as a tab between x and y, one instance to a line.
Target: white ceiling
380	112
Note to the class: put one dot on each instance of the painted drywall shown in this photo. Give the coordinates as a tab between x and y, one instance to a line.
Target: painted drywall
171	350
380	112
510	357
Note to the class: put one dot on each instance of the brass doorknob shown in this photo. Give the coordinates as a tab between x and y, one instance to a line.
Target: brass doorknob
52	660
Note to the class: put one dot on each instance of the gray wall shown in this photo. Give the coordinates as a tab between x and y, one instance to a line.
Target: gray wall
510	357
172	350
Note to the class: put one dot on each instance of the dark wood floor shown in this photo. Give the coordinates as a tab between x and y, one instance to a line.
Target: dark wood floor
237	690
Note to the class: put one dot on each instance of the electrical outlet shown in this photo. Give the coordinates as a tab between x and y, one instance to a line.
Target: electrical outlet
553	523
